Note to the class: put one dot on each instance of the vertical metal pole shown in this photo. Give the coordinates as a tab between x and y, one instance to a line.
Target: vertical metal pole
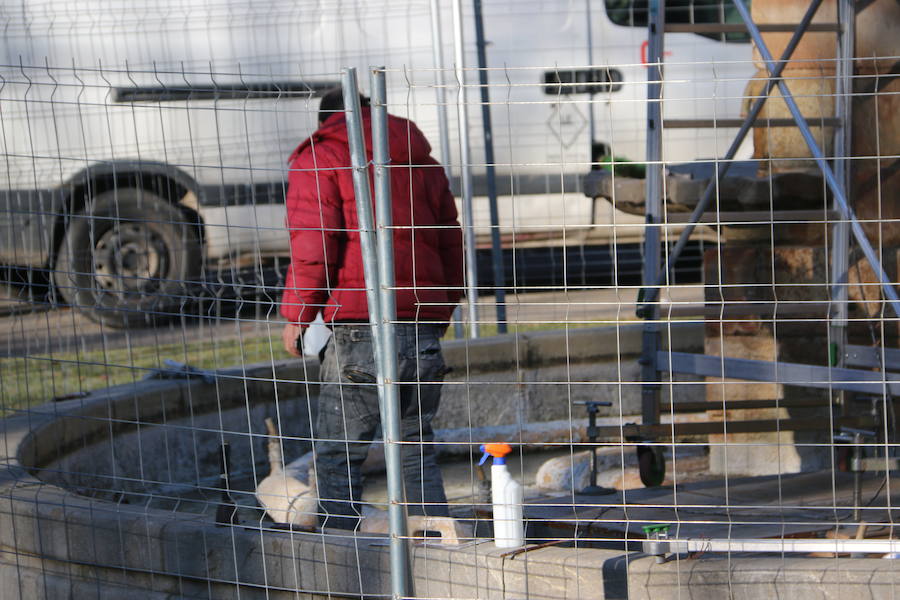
837	191
650	390
496	248
440	92
840	243
437	48
592	124
466	170
399	555
363	209
401	582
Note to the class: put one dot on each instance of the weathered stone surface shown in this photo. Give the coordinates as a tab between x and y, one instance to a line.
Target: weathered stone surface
765	273
876	124
90	550
163	437
550	370
783	148
749	453
877	34
749	578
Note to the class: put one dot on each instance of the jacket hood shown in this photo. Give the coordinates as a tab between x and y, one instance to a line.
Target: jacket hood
407	144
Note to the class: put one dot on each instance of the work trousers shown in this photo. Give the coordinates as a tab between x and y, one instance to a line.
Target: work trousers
349	418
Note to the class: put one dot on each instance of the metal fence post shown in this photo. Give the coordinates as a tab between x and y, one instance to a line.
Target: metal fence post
496	246
385	357
840	243
440	94
466	171
363	206
390	413
650	390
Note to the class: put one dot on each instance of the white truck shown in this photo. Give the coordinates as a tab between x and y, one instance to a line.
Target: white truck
145	142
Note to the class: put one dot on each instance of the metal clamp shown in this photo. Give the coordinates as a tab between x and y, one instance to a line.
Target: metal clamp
657	543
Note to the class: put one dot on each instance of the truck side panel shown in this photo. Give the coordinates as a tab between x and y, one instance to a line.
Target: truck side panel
26	225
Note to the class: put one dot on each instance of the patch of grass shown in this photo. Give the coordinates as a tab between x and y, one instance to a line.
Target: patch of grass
32	380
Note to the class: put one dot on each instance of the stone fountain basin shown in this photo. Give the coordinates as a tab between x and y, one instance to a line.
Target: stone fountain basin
93	488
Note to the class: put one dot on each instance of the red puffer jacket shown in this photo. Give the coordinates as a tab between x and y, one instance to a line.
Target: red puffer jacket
326	272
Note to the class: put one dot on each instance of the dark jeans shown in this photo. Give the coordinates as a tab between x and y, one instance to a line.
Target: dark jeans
349	417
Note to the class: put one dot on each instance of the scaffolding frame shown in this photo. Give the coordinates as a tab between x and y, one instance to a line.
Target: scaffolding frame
847	363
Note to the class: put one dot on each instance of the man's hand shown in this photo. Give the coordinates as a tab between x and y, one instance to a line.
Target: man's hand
291	336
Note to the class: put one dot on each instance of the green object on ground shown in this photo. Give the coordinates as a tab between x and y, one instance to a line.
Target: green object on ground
652	529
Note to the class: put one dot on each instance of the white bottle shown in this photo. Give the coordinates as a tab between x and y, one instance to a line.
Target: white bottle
507	497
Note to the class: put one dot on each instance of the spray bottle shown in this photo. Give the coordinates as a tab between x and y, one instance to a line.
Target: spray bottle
506	494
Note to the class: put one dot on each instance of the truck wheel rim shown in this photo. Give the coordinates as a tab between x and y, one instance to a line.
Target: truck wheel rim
129	257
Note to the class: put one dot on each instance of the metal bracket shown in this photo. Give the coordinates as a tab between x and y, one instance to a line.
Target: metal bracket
868	356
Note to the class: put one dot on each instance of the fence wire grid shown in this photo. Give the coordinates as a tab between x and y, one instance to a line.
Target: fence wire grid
279	282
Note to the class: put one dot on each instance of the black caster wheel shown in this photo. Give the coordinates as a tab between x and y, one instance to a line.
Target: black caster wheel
652	465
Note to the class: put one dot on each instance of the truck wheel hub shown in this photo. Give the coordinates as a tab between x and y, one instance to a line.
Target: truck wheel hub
129	257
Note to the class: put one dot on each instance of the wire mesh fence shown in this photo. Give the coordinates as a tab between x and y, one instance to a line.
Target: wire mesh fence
421	299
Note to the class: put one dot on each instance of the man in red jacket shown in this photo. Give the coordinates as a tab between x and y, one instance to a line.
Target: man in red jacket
326	275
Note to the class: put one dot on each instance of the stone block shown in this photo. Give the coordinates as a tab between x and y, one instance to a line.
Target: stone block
763	273
751	578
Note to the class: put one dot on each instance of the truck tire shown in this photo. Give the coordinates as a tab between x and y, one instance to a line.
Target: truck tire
128	259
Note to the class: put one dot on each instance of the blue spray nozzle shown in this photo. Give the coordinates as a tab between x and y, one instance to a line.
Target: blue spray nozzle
484	455
497	451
